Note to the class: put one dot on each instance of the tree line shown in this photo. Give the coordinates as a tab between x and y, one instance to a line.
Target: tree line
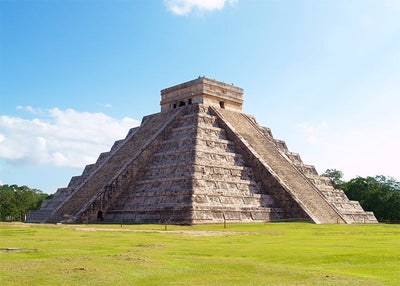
378	194
15	201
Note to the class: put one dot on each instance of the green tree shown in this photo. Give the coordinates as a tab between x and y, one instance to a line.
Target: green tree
7	202
15	201
335	176
378	194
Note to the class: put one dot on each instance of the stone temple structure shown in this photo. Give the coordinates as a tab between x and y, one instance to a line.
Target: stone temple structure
200	160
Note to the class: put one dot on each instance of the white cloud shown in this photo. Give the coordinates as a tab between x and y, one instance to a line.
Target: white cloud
108	105
65	138
313	131
29	109
184	7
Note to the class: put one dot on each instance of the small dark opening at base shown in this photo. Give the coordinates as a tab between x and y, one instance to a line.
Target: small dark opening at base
181	103
100	216
222	104
174	105
190	101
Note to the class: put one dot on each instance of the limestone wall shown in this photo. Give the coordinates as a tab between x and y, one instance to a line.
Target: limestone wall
204	91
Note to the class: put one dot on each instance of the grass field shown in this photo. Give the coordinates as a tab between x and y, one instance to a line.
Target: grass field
241	254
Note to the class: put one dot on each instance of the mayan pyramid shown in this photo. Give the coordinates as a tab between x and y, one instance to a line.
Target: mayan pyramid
200	160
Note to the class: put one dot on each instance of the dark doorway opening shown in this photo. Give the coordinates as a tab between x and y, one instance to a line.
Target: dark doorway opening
100	216
222	104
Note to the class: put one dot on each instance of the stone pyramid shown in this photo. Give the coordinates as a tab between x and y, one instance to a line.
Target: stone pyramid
200	160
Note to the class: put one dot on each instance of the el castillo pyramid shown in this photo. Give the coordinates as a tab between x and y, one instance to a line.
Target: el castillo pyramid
200	160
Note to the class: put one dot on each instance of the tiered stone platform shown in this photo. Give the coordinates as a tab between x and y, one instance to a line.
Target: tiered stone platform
200	160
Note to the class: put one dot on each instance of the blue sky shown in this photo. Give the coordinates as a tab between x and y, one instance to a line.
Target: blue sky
75	75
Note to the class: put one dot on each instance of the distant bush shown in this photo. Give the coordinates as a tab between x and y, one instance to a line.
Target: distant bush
15	201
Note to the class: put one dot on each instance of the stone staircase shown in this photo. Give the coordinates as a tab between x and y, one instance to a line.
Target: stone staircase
162	191
292	182
224	187
181	186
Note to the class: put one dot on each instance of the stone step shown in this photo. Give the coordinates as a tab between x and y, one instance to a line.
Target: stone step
337	195
208	120
307	170
319	180
216	144
179	215
181	169
134	129
88	170
75	182
146	203
59	197
267	132
38	216
364	217
210	132
103	156
183	132
176	156
215	216
281	145
196	118
151	193
215	184
177	144
294	157
349	206
239	201
171	171
170	183
117	144
216	156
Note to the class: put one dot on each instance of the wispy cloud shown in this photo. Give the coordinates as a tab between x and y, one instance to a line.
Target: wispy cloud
63	138
312	130
30	109
185	7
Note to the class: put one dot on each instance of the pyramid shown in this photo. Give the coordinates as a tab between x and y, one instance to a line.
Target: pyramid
200	160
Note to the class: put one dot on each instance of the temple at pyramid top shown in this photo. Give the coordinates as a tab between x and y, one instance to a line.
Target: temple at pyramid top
204	91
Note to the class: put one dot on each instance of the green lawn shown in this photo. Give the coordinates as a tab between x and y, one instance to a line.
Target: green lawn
241	254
